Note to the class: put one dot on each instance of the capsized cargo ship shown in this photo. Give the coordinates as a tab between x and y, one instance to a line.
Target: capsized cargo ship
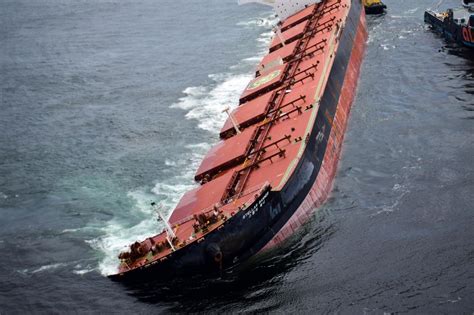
278	153
456	24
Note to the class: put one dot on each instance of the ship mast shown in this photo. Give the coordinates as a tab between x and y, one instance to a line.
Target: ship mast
232	119
169	230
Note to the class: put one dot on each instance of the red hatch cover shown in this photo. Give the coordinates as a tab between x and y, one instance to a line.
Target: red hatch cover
200	198
289	35
227	153
299	96
264	83
297	18
271	60
247	114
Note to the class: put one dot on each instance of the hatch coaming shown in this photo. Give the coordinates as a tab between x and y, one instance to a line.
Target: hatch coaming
264	83
247	114
200	198
225	154
289	35
299	17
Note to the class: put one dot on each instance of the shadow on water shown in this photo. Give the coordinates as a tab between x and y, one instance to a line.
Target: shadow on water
250	282
462	52
375	19
465	66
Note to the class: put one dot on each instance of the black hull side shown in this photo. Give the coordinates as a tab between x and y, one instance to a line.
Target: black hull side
301	181
247	232
375	9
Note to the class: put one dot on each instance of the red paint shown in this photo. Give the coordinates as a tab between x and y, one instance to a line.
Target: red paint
289	35
225	153
264	83
200	198
298	17
323	184
467	34
247	114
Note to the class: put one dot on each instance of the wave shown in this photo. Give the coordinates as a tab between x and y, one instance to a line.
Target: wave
117	234
207	107
267	22
206	103
81	272
49	267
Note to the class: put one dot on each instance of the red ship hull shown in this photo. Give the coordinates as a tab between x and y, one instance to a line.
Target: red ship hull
266	177
323	185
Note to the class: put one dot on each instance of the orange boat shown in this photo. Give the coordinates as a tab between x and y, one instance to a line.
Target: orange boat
278	153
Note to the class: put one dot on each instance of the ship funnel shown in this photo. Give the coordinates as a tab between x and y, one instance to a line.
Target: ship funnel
283	8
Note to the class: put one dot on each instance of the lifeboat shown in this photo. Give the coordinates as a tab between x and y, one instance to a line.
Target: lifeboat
374	6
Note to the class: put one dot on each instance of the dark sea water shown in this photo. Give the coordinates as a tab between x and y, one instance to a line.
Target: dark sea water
106	105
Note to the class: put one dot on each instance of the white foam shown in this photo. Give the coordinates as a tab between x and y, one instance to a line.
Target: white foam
401	187
170	163
412	11
206	103
267	22
116	238
48	267
118	234
203	146
70	230
207	109
387	46
252	59
82	271
263	40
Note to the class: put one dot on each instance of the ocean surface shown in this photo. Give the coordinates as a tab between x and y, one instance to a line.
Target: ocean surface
107	105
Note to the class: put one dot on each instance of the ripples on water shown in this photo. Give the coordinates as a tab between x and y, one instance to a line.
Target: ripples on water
107	106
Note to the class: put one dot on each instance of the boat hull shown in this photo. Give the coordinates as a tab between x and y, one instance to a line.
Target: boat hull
375	9
321	187
460	34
